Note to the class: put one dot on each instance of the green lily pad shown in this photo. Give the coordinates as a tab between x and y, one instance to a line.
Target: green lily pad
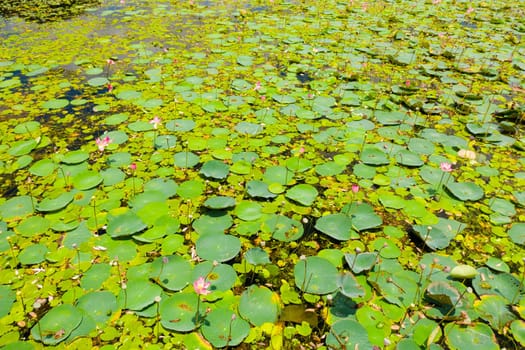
315	275
57	324
17	207
408	158
165	141
213	222
248	128
75	157
186	159
256	188
258	305
86	180
374	156
34	254
517	233
348	334
362	261
504	284
223	327
477	335
55	103
56	203
493	309
171	272
257	256
283	228
438	236
219	202
248	210
43	167
337	226
215	169
32	226
181	125
221	277
218	247
178	311
138	294
7	299
465	191
304	194
98	305
190	189
23	147
125	224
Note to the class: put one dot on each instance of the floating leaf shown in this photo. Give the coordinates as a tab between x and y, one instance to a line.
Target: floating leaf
348	334
125	224
87	180
215	169
304	194
478	335
218	247
258	305
52	204
337	226
57	324
517	233
178	311
224	328
465	191
315	275
7	299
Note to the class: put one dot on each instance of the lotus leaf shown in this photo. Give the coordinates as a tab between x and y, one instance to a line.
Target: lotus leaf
337	226
493	309
478	335
34	254
98	305
315	275
125	224
186	159
32	226
171	272
304	194
503	284
258	305
57	324
517	233
283	228
190	189
224	328
220	276
349	334
218	247
56	203
178	311
256	188
248	211
43	167
465	191
257	256
7	299
213	222
138	294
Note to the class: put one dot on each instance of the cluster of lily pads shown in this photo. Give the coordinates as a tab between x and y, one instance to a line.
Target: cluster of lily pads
272	175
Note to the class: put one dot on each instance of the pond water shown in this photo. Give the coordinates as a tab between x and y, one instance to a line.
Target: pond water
262	174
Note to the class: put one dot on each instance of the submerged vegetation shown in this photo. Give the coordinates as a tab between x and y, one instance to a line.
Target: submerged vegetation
279	174
45	10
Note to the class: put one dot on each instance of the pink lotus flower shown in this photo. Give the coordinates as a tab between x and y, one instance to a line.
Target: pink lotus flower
133	166
355	188
446	167
110	61
257	86
201	286
155	122
102	143
110	87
